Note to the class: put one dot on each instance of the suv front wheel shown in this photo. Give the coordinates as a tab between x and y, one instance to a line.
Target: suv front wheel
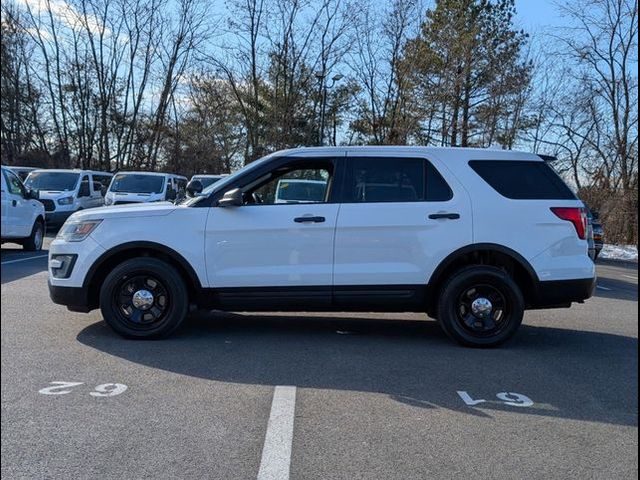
144	298
480	306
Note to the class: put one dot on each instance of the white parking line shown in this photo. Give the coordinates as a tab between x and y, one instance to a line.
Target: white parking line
630	276
23	259
603	288
276	452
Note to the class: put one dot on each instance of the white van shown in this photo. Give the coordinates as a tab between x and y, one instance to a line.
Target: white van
63	192
22	172
22	213
143	187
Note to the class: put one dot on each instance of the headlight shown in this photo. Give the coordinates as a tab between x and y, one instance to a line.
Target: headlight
76	231
108	201
65	201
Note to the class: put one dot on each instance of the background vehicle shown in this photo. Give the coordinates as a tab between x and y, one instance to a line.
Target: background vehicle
22	172
64	192
485	235
142	187
208	180
596	234
292	190
22	214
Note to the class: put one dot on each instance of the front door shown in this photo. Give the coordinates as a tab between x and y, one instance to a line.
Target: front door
19	209
279	243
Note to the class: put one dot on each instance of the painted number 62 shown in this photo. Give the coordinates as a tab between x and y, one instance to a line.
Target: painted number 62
103	390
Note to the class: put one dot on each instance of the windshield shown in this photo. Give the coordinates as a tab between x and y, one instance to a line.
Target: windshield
206	181
52	181
137	183
301	190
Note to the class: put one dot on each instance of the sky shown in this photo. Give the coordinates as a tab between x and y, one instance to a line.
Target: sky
536	14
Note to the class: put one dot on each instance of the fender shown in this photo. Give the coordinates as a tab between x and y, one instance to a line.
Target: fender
476	247
193	277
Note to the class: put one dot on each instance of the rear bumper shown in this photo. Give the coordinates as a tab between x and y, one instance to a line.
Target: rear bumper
561	293
75	299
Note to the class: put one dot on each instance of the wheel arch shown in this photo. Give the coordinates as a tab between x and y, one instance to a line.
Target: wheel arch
114	256
485	254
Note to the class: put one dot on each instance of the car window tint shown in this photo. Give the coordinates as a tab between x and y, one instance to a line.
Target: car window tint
438	190
523	180
392	179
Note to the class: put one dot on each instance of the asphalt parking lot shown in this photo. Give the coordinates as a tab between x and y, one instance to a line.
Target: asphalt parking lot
340	396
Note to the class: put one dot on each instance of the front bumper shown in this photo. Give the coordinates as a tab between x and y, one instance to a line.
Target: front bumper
75	299
57	218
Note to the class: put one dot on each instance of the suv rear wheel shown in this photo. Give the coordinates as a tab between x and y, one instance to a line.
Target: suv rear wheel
480	306
144	298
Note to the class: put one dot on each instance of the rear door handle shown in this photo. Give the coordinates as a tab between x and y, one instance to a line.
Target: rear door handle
309	219
448	216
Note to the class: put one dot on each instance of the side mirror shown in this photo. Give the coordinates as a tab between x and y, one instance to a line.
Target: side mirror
232	198
194	188
32	194
103	190
171	194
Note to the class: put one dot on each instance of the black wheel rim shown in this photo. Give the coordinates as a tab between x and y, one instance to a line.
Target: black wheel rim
483	310
128	301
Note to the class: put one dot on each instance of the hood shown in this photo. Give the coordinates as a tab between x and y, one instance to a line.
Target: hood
55	194
155	209
133	196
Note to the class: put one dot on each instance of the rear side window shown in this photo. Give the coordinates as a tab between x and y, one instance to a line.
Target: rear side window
523	180
389	179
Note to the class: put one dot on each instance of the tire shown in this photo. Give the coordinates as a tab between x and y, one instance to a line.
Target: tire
595	255
34	242
467	318
154	314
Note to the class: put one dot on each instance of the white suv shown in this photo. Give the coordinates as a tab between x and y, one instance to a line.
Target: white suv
472	237
22	213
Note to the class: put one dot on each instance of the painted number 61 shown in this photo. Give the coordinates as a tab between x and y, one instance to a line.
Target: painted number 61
508	398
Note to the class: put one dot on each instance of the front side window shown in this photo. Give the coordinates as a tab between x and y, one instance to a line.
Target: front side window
84	187
53	181
137	183
390	179
291	185
14	185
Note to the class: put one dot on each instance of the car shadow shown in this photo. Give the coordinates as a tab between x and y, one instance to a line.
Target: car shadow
568	374
17	263
616	289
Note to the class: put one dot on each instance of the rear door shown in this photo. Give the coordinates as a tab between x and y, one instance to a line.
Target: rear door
399	218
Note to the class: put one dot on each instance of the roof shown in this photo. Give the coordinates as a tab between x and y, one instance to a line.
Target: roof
148	173
444	153
71	170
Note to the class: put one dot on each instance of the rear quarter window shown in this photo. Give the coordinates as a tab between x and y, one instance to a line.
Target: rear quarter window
523	180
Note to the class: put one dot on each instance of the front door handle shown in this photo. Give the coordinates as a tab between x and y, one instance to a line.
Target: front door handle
309	219
14	203
448	216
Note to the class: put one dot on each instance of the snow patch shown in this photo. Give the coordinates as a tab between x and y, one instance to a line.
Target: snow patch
620	252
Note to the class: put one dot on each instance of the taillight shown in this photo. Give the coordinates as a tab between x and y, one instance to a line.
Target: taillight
575	215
